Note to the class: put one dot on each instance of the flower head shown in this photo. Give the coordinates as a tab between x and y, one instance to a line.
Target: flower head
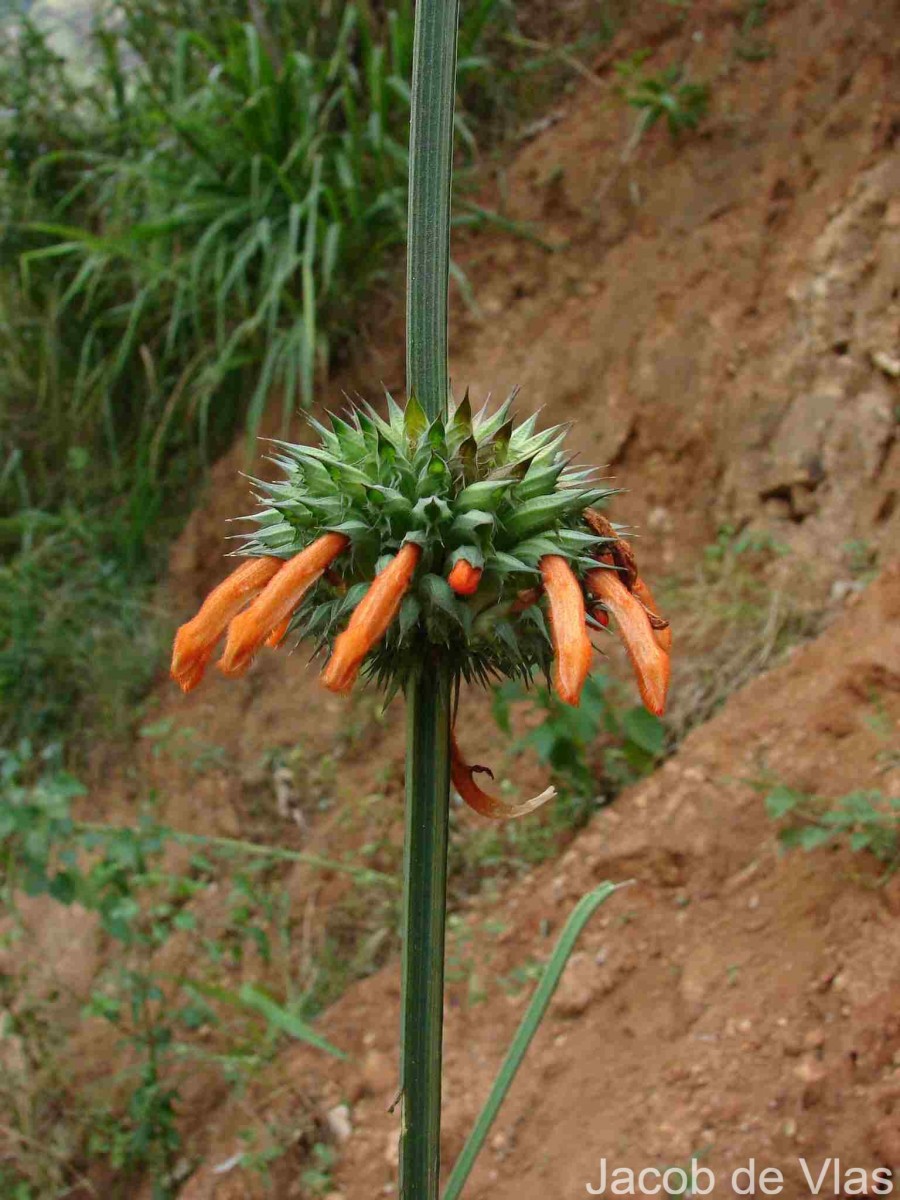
398	541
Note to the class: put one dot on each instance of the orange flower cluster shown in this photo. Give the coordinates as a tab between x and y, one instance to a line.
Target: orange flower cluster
622	592
256	602
647	637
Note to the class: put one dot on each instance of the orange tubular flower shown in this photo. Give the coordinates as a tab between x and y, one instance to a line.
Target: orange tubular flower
571	644
267	614
464	578
488	806
276	637
662	630
649	660
370	619
196	640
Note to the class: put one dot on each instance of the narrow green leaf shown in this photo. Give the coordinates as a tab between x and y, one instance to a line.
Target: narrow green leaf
528	1026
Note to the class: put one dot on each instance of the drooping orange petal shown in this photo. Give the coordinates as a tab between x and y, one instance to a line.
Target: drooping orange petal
568	628
661	632
370	619
464	578
196	640
648	659
277	601
484	804
277	635
618	551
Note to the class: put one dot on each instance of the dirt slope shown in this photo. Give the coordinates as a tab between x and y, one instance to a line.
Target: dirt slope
721	319
734	1002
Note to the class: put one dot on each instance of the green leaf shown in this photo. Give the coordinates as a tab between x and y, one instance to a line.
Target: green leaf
528	1026
645	730
543	512
438	592
468	456
469	553
283	1019
410	610
466	524
460	428
781	801
485	494
415	421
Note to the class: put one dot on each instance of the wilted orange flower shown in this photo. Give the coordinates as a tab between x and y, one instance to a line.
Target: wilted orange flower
662	630
196	639
370	619
568	628
649	660
484	804
464	578
278	600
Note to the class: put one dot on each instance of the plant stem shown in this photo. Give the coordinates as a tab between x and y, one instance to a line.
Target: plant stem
430	179
428	697
427	796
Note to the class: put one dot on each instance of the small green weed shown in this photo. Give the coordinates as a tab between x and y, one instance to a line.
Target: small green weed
667	95
749	44
864	820
592	751
316	1179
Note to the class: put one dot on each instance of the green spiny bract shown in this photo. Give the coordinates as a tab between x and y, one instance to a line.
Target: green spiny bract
482	488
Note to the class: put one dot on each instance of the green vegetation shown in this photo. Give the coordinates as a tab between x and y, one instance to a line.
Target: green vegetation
749	44
591	753
668	94
190	216
744	605
185	917
866	820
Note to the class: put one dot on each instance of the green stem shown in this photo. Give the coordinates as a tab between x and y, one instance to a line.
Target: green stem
430	180
427	807
428	697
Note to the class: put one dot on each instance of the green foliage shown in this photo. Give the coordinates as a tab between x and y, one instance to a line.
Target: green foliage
316	1179
78	640
623	743
592	752
668	94
749	44
163	1019
190	214
864	820
218	228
